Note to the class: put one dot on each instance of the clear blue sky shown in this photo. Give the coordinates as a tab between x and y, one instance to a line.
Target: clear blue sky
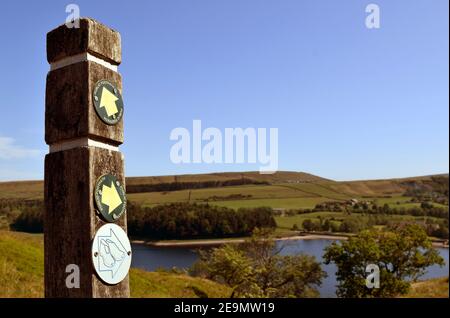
349	102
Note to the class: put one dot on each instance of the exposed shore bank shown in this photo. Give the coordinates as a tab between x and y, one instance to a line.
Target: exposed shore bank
217	242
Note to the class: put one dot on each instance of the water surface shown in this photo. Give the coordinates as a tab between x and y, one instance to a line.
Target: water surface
151	258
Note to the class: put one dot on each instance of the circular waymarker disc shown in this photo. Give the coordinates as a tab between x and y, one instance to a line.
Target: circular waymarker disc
110	197
111	253
108	102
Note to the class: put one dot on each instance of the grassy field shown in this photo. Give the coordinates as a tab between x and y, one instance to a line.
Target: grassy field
284	184
213	195
432	288
21	265
370	188
22	273
285	203
35	189
287	222
287	190
22	190
284	196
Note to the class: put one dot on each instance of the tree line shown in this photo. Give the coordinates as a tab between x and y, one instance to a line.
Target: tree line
23	215
433	228
425	209
175	186
191	220
168	221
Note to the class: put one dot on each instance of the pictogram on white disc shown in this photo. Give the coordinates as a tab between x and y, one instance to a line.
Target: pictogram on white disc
111	253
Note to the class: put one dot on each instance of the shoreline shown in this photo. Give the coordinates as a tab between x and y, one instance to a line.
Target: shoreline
217	242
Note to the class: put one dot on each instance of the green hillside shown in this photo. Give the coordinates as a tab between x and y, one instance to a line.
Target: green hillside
35	189
22	273
282	191
432	288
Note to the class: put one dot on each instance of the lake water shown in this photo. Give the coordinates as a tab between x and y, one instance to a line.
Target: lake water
151	258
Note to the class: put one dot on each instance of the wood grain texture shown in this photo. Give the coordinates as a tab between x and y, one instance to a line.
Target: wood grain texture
92	37
71	220
69	108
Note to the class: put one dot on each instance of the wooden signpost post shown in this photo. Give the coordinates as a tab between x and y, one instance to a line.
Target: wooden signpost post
85	215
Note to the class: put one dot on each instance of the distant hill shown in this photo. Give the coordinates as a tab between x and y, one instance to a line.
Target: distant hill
35	189
278	177
32	190
22	190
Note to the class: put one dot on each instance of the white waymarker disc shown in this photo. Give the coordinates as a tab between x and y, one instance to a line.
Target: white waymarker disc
111	253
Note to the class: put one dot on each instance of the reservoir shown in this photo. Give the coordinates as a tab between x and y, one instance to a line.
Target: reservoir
151	258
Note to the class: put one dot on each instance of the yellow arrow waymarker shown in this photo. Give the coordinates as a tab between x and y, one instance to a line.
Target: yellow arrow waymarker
111	197
108	100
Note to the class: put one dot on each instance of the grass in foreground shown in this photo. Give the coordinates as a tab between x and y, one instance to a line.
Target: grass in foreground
167	285
21	265
22	273
432	288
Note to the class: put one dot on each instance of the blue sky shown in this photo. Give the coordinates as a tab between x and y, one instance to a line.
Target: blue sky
349	102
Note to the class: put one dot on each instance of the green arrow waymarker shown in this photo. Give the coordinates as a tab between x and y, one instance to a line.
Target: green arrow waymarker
108	102
110	197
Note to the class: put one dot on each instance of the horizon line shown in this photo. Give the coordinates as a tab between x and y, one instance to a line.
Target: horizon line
255	171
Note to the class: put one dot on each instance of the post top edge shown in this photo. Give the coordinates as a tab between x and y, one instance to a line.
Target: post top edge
86	20
91	36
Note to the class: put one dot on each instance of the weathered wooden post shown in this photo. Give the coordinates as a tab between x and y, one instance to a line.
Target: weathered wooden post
85	218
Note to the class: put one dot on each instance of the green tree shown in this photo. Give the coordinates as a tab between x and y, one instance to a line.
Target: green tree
30	220
402	256
229	266
334	226
352	225
326	226
256	269
309	225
